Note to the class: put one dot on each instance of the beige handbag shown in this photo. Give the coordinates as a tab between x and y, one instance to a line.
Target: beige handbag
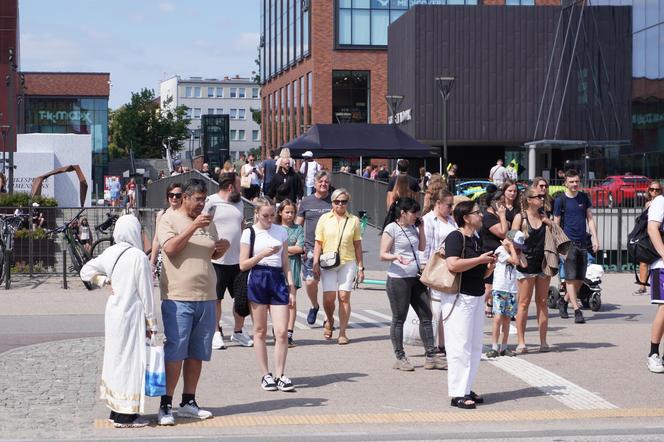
437	275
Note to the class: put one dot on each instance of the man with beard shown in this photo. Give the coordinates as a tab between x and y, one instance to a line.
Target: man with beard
229	221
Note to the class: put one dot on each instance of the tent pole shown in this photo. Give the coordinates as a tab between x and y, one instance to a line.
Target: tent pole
361	166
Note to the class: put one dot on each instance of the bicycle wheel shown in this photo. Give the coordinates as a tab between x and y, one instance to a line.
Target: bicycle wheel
3	258
7	264
99	246
77	262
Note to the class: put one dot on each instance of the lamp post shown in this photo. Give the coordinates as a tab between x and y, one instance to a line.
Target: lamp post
5	129
445	83
393	102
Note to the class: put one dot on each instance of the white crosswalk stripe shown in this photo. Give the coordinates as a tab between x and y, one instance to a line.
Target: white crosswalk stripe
359	319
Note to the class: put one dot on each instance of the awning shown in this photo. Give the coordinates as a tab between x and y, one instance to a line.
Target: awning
355	140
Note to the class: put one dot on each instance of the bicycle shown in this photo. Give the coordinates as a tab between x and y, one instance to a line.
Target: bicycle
105	228
9	224
76	249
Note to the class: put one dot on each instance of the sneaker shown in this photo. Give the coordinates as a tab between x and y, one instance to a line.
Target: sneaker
562	308
311	317
192	410
508	352
268	383
218	341
291	342
285	384
655	364
139	422
403	364
578	317
165	415
242	339
492	354
441	351
431	362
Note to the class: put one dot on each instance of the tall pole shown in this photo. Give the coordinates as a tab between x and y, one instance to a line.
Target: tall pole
445	84
443	158
11	103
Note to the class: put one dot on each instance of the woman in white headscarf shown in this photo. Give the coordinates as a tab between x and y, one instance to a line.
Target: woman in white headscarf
129	318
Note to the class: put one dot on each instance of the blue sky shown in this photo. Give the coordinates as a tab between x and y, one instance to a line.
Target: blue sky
139	42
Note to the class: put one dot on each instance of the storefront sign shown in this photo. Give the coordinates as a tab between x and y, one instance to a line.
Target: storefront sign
641	120
64	116
401	117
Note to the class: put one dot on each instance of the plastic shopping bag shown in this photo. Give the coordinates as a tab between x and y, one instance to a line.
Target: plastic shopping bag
155	371
411	329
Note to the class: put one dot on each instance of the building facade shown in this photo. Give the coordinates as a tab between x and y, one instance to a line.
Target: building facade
9	44
325	61
233	96
70	103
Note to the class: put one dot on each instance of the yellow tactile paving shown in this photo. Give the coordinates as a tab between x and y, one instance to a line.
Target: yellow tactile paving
414	417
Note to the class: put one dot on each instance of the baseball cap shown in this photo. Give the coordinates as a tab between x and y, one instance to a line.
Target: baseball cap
308	154
517	237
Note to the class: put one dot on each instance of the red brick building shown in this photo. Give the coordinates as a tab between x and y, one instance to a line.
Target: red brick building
325	61
9	42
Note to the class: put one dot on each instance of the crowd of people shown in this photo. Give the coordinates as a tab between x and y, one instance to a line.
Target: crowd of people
502	249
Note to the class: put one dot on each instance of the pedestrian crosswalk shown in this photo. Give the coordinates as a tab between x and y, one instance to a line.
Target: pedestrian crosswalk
358	319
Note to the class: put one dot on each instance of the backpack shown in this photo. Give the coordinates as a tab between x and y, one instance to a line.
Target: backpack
639	246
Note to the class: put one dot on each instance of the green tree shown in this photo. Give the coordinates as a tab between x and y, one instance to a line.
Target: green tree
142	126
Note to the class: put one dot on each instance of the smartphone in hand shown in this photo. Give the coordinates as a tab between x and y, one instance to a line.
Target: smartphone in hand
211	211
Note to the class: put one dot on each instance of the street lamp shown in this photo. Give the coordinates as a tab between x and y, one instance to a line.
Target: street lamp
445	83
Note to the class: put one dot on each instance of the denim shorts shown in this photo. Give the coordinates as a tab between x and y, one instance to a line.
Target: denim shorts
267	286
188	327
308	266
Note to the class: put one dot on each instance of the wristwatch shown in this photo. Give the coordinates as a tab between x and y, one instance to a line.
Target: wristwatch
360	269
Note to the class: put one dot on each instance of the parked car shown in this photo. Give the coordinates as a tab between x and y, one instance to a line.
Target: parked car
620	190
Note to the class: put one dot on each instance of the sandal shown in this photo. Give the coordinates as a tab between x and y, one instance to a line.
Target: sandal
327	330
488	311
521	350
463	402
475	397
343	340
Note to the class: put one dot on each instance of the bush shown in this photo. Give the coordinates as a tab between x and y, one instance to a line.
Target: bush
38	233
25	200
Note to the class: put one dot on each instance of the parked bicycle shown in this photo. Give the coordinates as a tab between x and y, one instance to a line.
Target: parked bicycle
76	249
104	241
9	224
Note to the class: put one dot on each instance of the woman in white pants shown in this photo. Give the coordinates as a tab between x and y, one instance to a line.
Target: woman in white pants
464	311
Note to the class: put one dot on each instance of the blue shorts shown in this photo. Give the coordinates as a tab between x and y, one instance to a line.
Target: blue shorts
308	267
267	286
188	327
504	303
657	286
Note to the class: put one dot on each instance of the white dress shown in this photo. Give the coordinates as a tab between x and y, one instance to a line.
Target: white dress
129	312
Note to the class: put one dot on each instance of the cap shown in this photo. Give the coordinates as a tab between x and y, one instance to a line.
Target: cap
517	237
177	163
308	154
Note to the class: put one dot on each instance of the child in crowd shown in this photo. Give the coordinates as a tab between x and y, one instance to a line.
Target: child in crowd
286	217
508	255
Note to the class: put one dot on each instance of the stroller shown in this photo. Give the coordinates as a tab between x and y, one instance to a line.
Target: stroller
590	293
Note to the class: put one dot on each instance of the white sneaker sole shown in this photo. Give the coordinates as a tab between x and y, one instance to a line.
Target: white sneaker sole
656	369
242	344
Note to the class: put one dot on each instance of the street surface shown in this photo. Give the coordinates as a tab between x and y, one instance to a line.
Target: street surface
594	386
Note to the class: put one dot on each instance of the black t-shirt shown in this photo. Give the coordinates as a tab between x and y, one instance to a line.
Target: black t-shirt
413	183
383	175
534	249
491	242
472	281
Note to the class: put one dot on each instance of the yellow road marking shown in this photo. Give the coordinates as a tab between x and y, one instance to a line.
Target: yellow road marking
413	417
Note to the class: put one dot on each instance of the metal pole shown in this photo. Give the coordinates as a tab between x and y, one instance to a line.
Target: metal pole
31	239
64	268
11	106
443	159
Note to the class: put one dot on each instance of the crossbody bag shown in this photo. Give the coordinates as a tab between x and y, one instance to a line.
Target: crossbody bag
331	260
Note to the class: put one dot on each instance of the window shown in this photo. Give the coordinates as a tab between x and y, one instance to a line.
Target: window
197	113
233	114
233	134
242	135
350	96
197	92
520	2
210	111
254	92
365	22
241	93
241	114
255	135
210	92
220	111
220	92
187	91
187	114
309	97
233	92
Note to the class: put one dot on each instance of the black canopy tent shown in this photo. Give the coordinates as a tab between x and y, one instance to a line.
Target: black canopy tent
359	140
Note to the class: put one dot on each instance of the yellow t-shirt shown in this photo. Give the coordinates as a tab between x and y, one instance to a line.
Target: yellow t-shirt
328	230
188	276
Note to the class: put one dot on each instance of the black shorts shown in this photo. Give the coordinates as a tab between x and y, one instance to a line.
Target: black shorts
576	262
226	274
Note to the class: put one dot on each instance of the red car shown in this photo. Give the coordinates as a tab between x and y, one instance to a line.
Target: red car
620	190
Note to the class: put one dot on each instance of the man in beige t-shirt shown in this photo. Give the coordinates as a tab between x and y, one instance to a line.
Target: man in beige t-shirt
188	241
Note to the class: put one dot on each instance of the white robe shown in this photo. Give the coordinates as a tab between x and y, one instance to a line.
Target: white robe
129	311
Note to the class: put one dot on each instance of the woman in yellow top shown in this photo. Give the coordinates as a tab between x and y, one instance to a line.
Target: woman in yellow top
338	231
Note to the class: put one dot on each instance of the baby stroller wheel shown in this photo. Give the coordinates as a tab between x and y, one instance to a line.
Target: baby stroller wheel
554	295
596	301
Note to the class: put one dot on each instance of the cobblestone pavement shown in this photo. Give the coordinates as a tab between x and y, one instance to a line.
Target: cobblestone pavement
49	390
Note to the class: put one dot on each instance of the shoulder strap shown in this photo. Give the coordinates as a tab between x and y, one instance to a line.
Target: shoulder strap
118	259
342	234
412	249
252	241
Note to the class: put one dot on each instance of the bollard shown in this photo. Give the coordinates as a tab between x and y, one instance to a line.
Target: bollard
64	269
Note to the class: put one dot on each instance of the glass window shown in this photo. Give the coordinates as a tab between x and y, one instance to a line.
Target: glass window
210	111
197	113
241	135
310	85
233	114
187	113
220	92
380	20
350	96
233	92
210	91
233	134
220	111
187	91
254	92
305	32
241	93
361	27
364	4
514	2
255	136
345	26
197	92
241	114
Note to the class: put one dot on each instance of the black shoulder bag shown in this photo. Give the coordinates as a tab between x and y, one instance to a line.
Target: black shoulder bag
241	300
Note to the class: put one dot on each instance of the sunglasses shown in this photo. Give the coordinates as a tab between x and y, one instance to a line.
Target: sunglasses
539	197
543	185
655	189
174	195
340	202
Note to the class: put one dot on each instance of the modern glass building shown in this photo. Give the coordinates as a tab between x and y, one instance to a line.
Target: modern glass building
70	103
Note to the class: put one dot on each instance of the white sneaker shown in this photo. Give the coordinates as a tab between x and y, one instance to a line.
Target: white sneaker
218	341
512	330
655	364
242	339
165	416
191	410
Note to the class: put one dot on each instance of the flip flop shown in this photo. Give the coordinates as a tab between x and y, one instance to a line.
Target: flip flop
327	330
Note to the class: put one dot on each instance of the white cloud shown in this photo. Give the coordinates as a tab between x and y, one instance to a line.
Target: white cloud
166	7
48	51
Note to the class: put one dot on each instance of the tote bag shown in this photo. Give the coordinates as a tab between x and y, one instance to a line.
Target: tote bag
155	371
437	275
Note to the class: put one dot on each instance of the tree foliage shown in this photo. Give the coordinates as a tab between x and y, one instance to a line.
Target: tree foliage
142	126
